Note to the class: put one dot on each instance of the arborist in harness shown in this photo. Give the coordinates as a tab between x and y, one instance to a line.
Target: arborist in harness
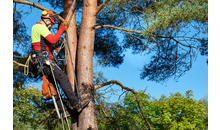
41	42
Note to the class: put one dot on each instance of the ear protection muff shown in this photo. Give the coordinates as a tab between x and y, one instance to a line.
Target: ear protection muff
49	15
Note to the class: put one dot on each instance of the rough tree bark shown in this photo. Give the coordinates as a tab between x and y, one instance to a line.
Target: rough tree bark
72	40
82	57
84	65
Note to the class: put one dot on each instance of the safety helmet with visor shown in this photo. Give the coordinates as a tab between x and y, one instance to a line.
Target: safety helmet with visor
49	15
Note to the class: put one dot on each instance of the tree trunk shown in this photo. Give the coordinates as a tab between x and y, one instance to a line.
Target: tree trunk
85	64
72	40
83	61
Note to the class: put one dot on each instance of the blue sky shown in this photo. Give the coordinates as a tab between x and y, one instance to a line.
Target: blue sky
129	75
129	72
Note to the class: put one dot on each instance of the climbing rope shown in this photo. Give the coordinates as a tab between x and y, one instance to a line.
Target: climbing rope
62	46
67	44
26	67
59	96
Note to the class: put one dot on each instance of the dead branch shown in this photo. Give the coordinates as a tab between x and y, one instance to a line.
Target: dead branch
103	110
128	89
47	116
101	7
37	6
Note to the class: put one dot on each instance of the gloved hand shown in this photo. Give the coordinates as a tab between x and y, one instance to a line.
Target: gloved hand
62	27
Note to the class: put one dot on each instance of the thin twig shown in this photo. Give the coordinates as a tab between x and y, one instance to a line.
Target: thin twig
128	89
47	116
103	110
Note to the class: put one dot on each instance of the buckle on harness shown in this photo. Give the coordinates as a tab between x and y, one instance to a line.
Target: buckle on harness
37	60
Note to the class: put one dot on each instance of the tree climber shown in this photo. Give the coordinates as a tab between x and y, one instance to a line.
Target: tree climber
41	42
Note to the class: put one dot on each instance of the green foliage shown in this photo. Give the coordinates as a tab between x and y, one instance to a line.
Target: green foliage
19	125
175	14
29	109
20	37
173	112
171	31
26	106
176	112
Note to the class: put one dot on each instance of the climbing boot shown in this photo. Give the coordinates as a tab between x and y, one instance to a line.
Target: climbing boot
84	103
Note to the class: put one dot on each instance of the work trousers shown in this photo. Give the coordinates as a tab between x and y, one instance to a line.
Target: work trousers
64	83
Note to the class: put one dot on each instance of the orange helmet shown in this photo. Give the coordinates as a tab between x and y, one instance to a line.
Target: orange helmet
49	15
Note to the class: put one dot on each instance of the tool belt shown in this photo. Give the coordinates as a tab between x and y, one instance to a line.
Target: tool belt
38	60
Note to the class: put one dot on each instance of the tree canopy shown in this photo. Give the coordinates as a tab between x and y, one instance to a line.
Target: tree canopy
173	32
175	111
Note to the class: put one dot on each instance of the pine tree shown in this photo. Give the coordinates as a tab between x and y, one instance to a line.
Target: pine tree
173	32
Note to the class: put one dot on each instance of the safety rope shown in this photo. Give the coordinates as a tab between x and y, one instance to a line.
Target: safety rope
67	46
79	97
62	121
59	96
26	67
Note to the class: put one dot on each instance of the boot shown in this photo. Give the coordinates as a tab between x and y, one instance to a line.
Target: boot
84	103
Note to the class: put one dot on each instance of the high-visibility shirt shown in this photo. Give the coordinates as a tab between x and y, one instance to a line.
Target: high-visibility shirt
42	39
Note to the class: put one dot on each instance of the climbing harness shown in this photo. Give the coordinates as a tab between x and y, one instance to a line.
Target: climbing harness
37	60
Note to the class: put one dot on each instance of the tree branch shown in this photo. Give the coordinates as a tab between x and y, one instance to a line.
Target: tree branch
122	29
180	42
128	89
127	30
47	116
105	113
37	6
101	7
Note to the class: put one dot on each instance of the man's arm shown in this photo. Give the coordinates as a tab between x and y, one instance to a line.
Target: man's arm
53	39
45	32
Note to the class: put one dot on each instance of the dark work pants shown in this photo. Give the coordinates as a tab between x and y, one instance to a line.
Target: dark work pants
64	83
